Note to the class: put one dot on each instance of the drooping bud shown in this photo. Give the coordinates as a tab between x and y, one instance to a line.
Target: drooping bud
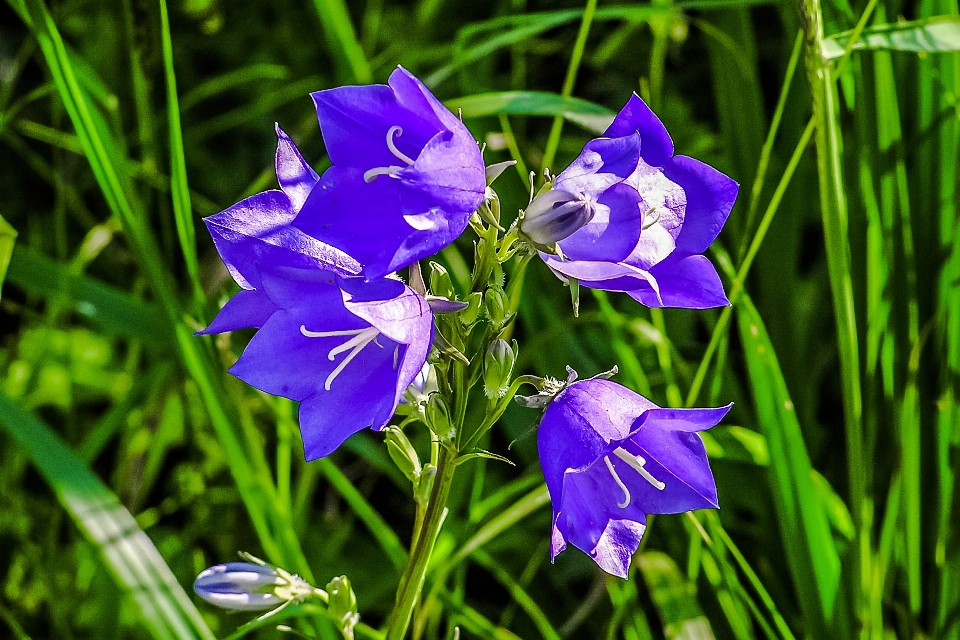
496	302
342	605
440	282
555	215
437	417
498	367
245	586
402	453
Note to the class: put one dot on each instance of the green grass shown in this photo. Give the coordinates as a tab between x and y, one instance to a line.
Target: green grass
129	459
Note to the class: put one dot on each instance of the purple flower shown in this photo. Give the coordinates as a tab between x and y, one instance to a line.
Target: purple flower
610	457
681	205
406	175
345	348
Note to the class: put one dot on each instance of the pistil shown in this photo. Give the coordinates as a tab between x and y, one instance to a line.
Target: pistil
393	170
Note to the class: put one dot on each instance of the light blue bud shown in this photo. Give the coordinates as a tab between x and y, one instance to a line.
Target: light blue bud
241	586
555	215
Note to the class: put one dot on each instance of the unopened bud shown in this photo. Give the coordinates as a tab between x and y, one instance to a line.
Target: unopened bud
342	605
245	586
469	315
555	215
496	302
440	282
437	417
498	368
402	453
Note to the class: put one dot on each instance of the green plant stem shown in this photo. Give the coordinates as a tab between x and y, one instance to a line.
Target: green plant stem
833	206
411	583
553	141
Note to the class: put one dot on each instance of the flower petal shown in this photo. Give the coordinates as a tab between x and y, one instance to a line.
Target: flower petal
296	177
414	96
710	197
636	117
614	230
450	169
248	308
603	163
690	283
355	122
614	550
258	230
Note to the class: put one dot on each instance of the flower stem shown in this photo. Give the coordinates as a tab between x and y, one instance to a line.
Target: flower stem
413	576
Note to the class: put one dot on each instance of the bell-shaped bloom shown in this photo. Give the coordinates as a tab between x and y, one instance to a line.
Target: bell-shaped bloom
610	457
406	175
345	348
681	205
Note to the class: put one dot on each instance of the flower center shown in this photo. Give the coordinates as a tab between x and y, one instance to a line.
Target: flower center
359	339
392	171
637	464
651	217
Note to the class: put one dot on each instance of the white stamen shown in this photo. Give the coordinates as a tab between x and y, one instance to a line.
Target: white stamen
371	174
393	147
623	487
360	339
636	463
396	356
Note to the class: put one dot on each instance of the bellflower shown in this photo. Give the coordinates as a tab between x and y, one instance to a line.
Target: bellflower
610	457
346	349
681	205
406	175
245	586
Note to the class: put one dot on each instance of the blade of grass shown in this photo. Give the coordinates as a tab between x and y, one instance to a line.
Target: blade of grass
179	189
137	566
342	40
811	554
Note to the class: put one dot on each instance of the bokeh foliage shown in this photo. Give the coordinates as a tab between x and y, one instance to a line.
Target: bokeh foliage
130	460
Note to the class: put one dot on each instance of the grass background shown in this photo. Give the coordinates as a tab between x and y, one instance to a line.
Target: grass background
129	460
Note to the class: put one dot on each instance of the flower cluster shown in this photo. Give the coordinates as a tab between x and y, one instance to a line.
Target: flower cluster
336	329
311	258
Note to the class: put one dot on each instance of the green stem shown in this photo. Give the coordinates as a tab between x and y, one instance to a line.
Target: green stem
553	141
411	584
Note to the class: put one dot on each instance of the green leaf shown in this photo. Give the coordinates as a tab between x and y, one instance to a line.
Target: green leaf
589	115
134	561
7	237
932	35
675	598
811	554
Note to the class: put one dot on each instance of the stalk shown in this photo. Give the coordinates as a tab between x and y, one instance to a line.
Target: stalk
411	583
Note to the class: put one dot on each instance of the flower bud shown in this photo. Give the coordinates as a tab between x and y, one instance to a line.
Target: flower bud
402	453
469	315
555	215
498	367
242	586
437	417
440	282
496	302
342	605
